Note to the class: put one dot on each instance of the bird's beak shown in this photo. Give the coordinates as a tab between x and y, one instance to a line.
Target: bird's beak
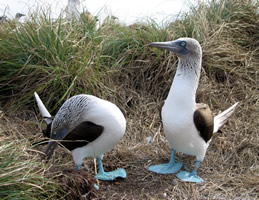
50	149
171	46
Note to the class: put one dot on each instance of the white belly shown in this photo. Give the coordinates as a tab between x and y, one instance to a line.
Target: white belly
111	118
181	132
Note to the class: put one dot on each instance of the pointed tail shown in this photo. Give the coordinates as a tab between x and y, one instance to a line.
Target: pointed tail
222	118
43	110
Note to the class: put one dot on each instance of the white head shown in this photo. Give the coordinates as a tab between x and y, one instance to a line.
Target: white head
182	47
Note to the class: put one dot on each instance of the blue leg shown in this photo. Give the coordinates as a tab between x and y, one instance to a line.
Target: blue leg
109	176
167	168
190	176
78	167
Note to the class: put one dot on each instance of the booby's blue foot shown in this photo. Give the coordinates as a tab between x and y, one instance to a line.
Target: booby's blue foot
78	167
189	177
110	176
167	168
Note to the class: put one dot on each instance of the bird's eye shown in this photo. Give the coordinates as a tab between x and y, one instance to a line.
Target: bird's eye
183	44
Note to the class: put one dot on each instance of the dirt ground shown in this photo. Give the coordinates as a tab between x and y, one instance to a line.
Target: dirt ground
230	168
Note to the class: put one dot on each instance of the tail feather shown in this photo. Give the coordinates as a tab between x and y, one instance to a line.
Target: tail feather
43	110
222	118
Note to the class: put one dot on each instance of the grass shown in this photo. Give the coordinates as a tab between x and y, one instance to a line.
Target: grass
61	58
51	51
22	175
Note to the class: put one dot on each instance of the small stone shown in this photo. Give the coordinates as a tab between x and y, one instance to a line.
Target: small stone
164	195
148	139
96	186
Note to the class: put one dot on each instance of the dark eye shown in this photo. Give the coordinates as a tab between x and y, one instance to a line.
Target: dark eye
183	44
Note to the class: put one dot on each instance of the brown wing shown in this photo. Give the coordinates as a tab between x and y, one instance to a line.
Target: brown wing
83	134
203	120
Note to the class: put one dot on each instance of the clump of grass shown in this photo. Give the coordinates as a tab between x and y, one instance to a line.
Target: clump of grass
45	54
71	57
75	184
25	176
22	175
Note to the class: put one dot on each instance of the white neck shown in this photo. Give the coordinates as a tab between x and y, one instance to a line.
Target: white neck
185	83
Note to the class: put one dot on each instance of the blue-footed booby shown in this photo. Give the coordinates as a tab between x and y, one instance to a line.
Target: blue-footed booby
89	127
188	126
72	9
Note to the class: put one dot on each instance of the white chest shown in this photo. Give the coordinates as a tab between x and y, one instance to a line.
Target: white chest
177	118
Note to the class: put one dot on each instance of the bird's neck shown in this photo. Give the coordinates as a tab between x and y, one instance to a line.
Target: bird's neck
185	83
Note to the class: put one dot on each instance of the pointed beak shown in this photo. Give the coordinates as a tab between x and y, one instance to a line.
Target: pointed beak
171	46
50	149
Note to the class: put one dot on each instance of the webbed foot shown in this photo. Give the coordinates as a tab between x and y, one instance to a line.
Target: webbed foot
166	168
110	176
189	177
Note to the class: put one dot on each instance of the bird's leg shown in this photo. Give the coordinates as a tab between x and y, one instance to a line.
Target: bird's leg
197	164
172	158
100	164
190	176
109	176
167	168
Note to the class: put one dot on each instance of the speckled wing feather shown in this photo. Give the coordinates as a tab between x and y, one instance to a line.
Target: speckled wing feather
71	112
67	128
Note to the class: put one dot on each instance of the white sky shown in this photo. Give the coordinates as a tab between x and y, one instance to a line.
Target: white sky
127	11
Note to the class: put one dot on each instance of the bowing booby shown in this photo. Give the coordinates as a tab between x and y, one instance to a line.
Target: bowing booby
89	127
188	126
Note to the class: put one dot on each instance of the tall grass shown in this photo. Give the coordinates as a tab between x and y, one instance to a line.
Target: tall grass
22	176
70	57
45	55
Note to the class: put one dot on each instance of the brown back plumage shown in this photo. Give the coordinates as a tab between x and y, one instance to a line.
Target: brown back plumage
203	120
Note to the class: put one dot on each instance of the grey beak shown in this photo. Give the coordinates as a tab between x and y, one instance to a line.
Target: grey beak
171	46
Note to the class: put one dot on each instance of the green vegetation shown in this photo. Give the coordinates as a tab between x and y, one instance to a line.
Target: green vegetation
60	58
22	177
70	57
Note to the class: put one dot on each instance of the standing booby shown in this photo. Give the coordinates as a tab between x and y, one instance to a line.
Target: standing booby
89	127
188	125
72	9
18	16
